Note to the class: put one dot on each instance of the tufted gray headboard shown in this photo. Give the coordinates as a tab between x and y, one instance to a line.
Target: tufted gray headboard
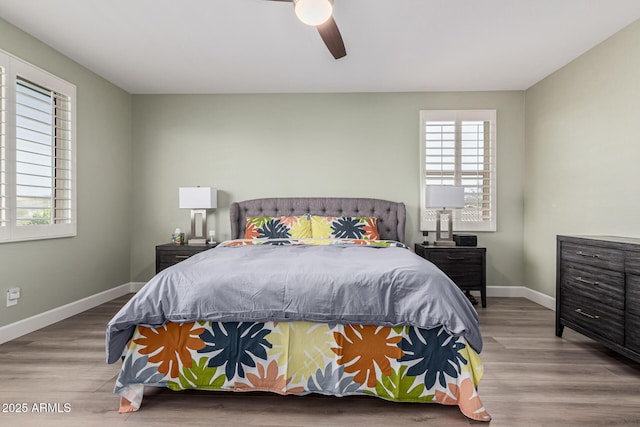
391	215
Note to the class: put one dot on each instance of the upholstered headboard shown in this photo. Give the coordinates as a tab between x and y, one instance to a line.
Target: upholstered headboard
391	215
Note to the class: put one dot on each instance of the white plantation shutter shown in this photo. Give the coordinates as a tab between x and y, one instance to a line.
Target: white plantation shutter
4	209
458	148
38	169
43	156
4	186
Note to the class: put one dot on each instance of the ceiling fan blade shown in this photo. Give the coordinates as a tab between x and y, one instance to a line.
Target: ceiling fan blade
331	36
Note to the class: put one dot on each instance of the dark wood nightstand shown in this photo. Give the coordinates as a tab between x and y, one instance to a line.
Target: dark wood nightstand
170	254
465	265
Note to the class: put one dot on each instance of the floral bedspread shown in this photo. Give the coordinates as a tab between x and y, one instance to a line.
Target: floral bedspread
404	363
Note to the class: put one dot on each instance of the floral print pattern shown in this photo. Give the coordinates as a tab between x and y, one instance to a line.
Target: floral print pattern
432	349
169	343
283	227
405	364
363	348
345	227
236	345
301	346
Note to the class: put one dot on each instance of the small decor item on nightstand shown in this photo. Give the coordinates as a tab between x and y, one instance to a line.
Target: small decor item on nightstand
465	240
425	234
212	237
177	238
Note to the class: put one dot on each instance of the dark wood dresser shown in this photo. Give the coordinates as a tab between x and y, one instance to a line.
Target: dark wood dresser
465	265
598	290
170	254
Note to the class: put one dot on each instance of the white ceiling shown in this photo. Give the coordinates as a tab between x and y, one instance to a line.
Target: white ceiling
258	46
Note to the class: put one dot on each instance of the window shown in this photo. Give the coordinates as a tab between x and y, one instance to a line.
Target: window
37	153
459	148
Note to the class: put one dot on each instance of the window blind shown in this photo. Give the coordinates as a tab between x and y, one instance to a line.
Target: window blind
459	149
4	212
43	156
37	153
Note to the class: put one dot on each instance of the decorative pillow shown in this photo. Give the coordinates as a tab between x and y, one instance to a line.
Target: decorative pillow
344	227
281	227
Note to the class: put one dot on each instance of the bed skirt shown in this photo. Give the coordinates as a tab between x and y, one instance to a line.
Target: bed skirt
403	364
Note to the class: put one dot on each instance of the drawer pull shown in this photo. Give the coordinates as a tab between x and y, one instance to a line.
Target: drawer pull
588	282
588	255
453	258
182	256
590	316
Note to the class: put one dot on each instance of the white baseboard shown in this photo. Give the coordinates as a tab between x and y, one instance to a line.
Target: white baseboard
540	298
33	323
136	286
522	292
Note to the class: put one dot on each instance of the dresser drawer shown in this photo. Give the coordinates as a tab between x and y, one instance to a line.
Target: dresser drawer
632	262
595	256
167	260
632	326
455	257
174	257
594	316
465	277
633	294
170	254
598	290
603	285
463	267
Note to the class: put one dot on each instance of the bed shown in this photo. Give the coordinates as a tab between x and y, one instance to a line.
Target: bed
311	295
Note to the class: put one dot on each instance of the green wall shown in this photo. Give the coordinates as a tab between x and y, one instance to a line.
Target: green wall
582	153
567	164
55	272
341	145
135	151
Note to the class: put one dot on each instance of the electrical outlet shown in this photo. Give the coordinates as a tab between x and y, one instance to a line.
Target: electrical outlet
13	295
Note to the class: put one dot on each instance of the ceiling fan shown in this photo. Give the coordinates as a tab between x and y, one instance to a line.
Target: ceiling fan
318	13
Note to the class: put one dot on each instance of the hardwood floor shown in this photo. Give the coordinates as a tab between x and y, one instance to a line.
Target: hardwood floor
531	378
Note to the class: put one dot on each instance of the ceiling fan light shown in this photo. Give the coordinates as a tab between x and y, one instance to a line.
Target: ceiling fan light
313	12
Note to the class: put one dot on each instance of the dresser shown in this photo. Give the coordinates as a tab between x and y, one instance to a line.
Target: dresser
170	254
598	290
465	265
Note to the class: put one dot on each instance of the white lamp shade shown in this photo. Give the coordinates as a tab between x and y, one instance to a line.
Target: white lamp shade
198	197
313	12
444	196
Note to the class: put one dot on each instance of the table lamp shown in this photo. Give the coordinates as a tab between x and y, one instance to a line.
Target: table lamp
198	199
444	198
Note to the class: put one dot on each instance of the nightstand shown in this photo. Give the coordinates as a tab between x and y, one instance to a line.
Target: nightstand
465	265
170	254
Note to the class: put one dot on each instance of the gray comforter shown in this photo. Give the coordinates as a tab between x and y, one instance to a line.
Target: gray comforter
338	283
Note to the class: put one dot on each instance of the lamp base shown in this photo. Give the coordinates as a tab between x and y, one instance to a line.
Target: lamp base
444	243
198	238
197	241
441	240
